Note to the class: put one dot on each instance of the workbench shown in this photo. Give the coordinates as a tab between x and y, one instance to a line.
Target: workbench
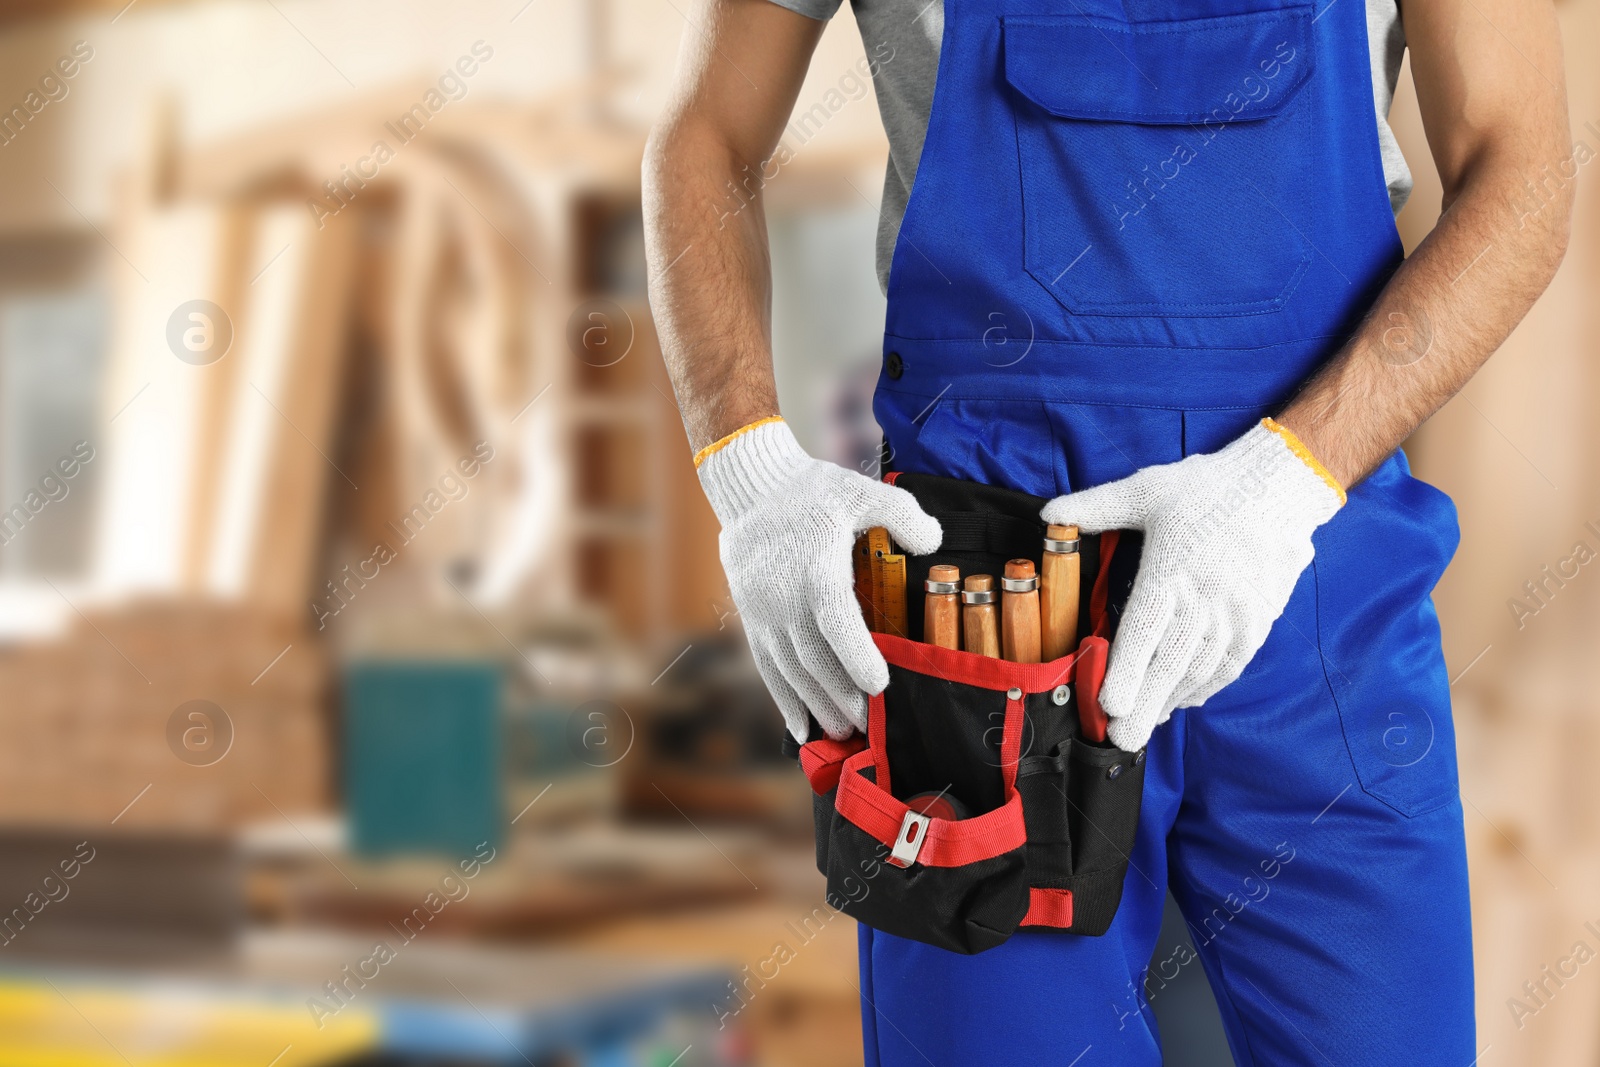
438	1002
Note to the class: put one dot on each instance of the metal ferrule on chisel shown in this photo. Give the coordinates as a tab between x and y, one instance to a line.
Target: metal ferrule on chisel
1020	585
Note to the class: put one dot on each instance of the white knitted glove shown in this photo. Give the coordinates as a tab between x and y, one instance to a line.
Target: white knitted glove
788	524
1226	537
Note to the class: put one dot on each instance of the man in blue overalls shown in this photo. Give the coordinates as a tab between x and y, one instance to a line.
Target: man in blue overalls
1141	258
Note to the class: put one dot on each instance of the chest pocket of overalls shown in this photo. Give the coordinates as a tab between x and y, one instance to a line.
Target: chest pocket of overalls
1167	167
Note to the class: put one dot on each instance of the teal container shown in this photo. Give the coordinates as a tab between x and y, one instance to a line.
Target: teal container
422	757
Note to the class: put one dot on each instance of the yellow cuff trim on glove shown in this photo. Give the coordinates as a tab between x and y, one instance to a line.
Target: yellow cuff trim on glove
1298	447
717	446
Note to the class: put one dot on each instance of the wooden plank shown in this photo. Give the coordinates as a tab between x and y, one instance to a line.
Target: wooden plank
217	383
279	456
155	402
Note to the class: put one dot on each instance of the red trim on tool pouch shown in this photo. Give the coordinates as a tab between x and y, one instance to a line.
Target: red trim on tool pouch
1011	743
891	477
969	668
822	760
1049	907
877	737
947	844
1092	655
1099	618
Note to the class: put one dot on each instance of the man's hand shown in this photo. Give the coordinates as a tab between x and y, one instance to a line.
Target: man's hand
788	523
1226	537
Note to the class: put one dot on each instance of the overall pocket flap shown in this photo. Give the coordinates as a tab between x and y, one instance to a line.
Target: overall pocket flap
1234	68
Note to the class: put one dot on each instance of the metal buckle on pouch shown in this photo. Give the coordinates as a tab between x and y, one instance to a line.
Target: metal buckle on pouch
913	831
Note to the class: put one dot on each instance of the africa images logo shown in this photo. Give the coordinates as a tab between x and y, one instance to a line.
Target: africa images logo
1254	90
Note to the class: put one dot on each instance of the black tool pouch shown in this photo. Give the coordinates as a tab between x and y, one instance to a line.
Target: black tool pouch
1049	815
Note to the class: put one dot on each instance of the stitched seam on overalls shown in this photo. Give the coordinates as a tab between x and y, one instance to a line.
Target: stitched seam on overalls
1077	403
1233	1006
1222	989
1177	872
1183	26
1360	783
1268	306
970	341
869	1002
1322	661
1245	1026
1124	309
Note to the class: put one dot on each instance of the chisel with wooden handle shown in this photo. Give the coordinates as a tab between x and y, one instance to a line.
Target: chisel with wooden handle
980	624
941	614
1059	576
1019	612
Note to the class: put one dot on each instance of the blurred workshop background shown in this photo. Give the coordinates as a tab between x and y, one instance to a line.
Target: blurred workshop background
369	690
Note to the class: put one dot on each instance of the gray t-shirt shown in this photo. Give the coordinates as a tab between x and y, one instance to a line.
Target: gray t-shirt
902	40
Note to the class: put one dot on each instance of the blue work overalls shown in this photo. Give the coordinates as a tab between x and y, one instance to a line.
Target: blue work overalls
1136	229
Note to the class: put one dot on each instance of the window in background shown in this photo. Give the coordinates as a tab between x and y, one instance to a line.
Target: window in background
827	327
54	314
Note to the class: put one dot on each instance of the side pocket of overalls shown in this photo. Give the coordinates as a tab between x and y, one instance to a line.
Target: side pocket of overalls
1379	636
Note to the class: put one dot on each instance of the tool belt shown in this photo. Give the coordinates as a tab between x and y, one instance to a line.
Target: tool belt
1052	814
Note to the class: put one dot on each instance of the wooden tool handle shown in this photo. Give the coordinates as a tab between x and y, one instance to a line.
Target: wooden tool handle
941	614
1059	578
1019	615
867	563
980	623
861	566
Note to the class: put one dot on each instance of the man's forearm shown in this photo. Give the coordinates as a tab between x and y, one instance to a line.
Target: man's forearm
705	231
710	288
1445	311
1490	89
